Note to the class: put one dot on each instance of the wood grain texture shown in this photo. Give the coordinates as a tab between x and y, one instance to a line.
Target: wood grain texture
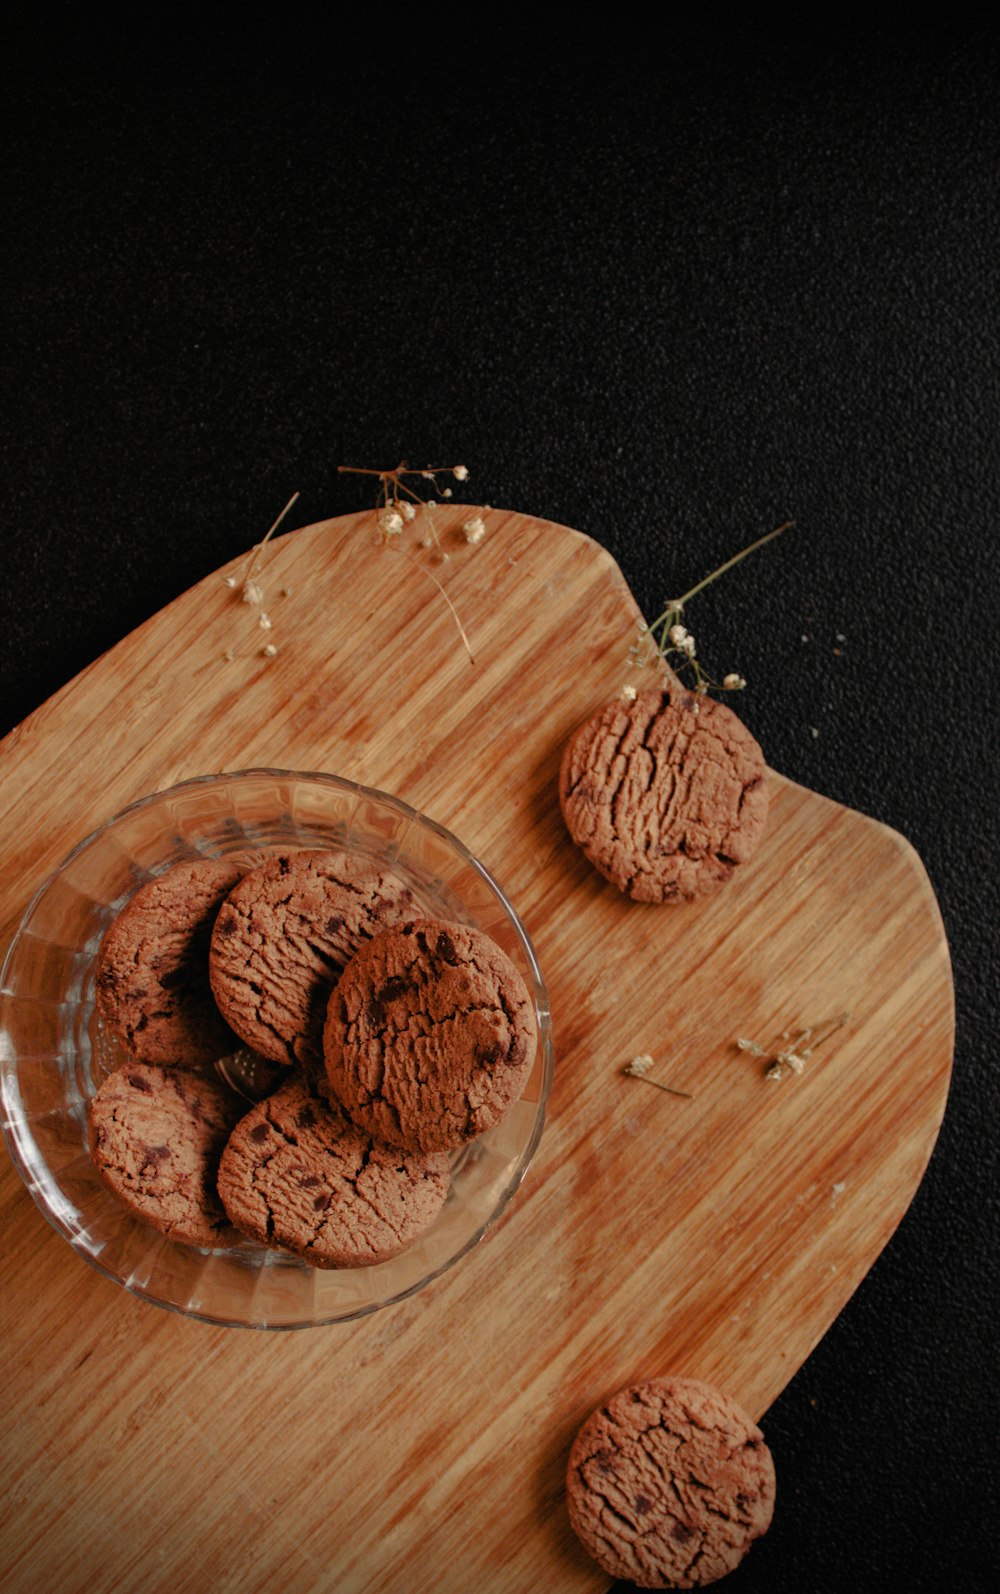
423	1448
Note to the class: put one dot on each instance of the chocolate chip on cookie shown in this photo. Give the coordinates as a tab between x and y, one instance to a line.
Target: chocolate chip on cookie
669	1484
156	1138
666	795
298	1174
152	985
430	1035
282	938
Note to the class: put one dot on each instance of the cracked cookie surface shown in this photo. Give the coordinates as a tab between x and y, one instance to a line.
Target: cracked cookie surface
430	1035
669	1484
298	1174
666	796
156	1138
282	938
152	986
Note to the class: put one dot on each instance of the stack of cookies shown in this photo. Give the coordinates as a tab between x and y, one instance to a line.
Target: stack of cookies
393	1040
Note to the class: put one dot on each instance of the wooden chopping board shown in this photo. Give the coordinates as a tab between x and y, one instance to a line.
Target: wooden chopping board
423	1448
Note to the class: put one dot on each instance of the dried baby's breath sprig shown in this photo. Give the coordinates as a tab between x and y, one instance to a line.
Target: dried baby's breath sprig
791	1056
251	591
254	557
668	640
639	1068
400	504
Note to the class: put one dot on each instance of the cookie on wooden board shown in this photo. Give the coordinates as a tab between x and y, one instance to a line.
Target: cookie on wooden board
669	1483
152	987
297	1173
282	938
156	1138
666	795
430	1035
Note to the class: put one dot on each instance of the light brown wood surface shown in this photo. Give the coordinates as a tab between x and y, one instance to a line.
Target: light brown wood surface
423	1448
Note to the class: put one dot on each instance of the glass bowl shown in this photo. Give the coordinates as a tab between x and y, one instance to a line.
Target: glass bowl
55	1050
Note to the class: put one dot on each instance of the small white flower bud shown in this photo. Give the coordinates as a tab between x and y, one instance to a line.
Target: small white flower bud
475	529
252	592
269	651
629	693
446	492
678	635
687	646
230	581
407	511
391	522
733	682
461	473
265	622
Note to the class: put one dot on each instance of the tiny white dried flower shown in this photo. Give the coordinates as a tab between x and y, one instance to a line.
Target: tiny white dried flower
677	634
629	693
230	581
269	651
814	731
391	522
774	1072
446	492
427	541
639	1065
461	473
734	682
841	637
428	475
431	503
750	1046
475	529
265	622
253	592
407	510
687	646
642	629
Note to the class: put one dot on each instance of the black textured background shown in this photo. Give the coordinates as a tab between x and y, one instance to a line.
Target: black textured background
670	288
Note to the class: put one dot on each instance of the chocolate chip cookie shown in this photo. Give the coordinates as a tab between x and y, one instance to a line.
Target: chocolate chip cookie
152	986
156	1137
282	938
430	1035
666	795
298	1174
669	1484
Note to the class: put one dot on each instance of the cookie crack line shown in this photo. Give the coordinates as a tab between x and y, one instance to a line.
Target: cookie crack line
395	1031
257	1168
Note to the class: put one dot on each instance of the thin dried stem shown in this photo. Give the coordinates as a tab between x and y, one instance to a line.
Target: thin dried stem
432	577
256	553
